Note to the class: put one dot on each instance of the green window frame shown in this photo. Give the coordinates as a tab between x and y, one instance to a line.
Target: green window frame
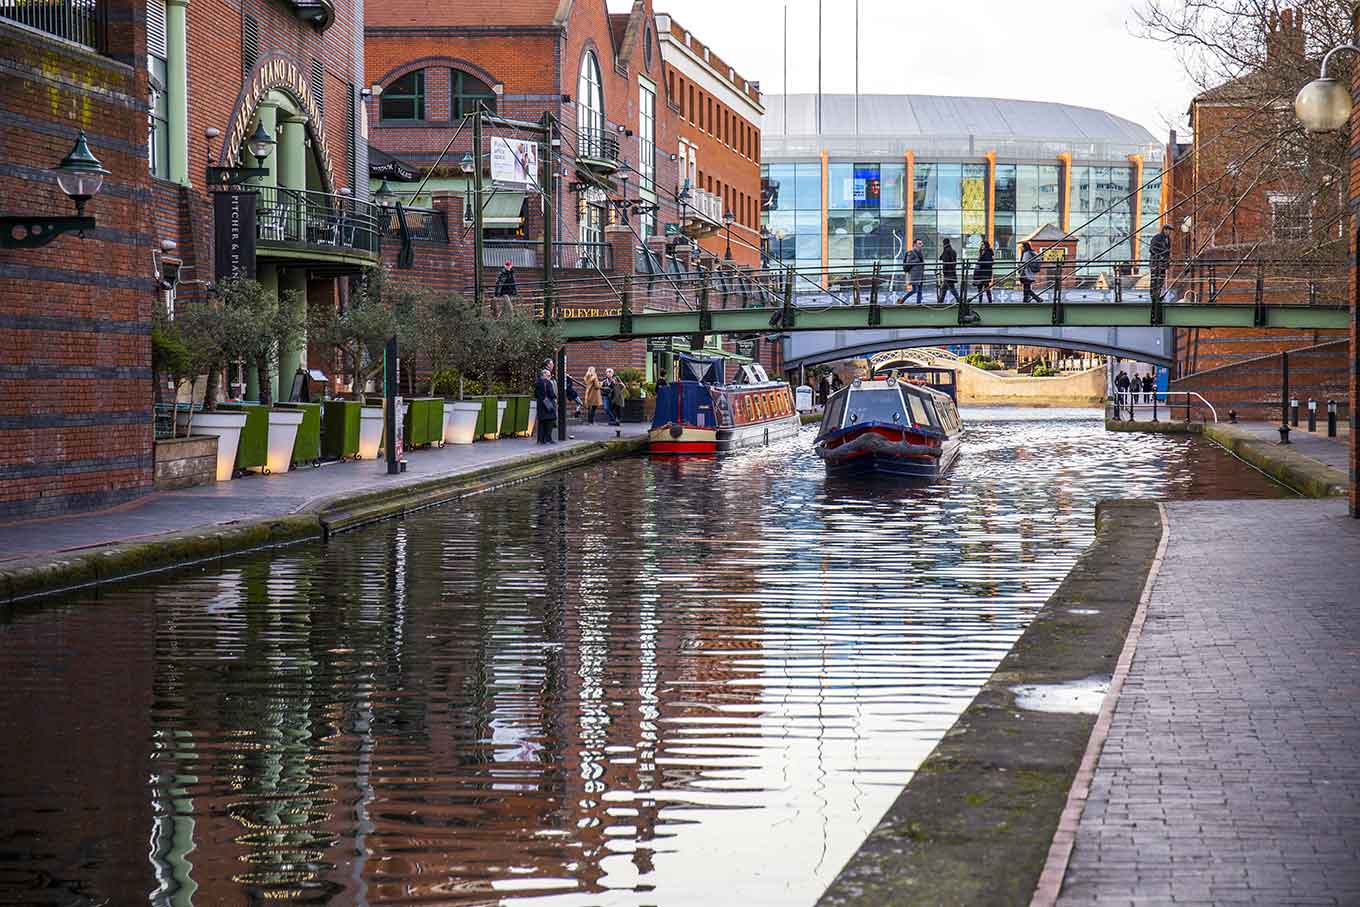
466	92
404	99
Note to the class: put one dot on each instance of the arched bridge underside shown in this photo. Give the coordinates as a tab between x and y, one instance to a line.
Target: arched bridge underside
814	347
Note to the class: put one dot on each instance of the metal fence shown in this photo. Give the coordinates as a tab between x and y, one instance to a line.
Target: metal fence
317	219
528	253
82	21
421	223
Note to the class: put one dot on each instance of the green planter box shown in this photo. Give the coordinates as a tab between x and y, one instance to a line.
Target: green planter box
340	429
307	447
515	420
253	450
486	422
423	422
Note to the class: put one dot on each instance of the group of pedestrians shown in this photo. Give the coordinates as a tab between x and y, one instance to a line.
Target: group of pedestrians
1139	390
608	393
984	279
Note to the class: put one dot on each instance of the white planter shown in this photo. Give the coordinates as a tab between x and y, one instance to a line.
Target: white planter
461	427
532	431
370	432
500	415
283	429
227	427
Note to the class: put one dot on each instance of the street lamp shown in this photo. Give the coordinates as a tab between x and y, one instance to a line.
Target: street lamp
261	144
80	176
728	218
1324	104
385	197
466	163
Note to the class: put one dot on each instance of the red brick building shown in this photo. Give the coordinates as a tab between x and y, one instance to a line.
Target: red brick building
1238	192
163	89
614	207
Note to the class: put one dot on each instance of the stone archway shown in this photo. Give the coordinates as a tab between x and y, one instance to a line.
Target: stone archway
278	73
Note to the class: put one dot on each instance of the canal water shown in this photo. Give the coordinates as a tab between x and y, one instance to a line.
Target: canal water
638	683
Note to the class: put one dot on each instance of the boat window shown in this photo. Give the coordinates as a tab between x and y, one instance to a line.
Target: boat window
835	412
875	406
932	413
918	410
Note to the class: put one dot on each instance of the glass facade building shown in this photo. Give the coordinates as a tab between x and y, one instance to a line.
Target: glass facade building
844	188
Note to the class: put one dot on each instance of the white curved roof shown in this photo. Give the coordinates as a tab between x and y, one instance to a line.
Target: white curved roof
927	123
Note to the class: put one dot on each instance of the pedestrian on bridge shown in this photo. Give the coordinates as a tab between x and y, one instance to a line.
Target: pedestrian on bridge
1030	266
1159	257
545	396
505	281
915	265
982	271
949	273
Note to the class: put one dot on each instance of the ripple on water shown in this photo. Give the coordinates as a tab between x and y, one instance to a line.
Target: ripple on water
635	683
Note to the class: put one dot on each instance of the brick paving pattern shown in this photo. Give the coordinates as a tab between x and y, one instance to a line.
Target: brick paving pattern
1232	770
1329	451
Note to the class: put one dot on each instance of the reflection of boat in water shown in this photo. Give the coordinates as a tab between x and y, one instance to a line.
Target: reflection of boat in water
899	428
703	414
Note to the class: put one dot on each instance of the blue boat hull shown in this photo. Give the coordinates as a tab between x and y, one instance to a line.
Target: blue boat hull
925	469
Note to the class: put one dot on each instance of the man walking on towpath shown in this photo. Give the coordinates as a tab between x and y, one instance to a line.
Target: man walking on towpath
545	396
949	273
914	263
1159	257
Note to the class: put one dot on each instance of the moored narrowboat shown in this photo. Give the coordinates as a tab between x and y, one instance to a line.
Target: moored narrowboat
890	426
703	414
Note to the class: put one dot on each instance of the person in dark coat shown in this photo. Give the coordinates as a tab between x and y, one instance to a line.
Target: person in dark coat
1159	257
982	273
914	263
1148	385
825	388
505	281
545	396
607	388
1030	267
949	273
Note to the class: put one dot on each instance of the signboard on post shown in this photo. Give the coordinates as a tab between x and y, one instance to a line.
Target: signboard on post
514	161
234	234
659	344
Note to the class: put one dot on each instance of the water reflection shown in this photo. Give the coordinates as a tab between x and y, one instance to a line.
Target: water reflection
638	683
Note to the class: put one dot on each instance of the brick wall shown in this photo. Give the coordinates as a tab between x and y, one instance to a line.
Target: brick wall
75	315
1252	387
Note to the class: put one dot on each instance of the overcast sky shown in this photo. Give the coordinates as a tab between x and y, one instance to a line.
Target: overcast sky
1083	52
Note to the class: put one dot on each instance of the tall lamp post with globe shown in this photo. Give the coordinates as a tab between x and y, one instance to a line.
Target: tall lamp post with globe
1324	105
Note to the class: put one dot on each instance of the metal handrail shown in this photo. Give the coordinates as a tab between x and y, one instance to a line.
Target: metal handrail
82	21
1126	400
317	219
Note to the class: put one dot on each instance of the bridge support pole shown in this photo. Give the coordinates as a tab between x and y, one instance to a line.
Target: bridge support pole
1284	398
875	312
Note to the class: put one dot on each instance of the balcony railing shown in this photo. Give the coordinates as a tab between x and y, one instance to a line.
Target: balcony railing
82	21
704	209
319	219
421	223
527	253
598	146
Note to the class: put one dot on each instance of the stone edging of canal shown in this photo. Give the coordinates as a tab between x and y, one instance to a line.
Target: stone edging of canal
46	575
977	820
1292	469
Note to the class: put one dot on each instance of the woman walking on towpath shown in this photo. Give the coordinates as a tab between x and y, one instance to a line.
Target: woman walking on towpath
594	398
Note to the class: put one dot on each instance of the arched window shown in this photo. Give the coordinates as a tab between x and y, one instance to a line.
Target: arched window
590	106
404	99
470	94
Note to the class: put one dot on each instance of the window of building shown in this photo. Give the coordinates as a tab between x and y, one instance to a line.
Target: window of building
404	99
468	94
1291	217
647	136
590	106
158	126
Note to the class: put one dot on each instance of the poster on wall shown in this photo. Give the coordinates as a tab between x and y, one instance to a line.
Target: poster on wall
234	234
514	161
867	187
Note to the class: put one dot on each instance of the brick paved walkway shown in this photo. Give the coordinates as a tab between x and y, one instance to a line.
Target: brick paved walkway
1334	452
256	497
1232	770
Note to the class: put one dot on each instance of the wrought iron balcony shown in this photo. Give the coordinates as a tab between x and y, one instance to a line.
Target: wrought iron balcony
318	222
598	150
82	21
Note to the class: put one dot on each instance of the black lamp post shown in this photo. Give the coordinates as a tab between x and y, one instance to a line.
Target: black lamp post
728	218
80	176
260	145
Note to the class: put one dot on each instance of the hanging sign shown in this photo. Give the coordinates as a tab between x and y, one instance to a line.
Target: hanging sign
748	348
659	344
514	161
234	234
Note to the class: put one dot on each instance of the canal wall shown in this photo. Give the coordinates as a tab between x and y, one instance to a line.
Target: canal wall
45	575
979	387
977	821
1286	465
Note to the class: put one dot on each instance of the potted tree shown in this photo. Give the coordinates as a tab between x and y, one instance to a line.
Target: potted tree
357	334
632	378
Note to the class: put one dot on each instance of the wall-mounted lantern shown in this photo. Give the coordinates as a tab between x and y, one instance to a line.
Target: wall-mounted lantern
80	176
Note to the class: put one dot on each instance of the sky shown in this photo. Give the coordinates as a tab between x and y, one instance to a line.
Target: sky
1083	52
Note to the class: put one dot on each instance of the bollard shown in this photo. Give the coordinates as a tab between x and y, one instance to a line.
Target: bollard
1312	414
1154	407
1232	416
1331	418
1294	412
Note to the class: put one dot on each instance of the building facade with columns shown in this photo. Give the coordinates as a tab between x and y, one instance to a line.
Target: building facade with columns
849	181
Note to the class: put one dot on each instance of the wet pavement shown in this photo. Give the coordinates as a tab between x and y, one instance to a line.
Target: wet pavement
1231	773
669	682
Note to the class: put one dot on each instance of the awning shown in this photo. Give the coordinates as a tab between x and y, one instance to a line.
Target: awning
503	210
382	165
